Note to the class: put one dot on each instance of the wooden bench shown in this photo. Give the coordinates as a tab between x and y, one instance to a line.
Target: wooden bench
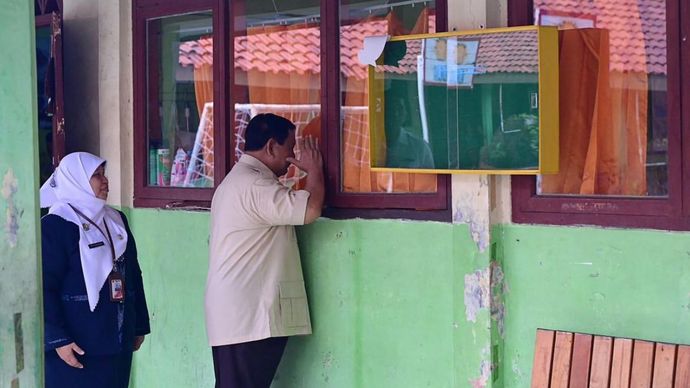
574	360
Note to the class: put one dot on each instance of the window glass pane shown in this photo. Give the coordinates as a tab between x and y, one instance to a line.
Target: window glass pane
613	97
357	20
277	69
180	100
468	102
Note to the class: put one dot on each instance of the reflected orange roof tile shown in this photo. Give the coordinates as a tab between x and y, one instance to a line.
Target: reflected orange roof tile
637	33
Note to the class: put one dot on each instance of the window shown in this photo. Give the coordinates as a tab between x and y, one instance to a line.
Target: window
277	67
352	184
203	69
621	116
175	92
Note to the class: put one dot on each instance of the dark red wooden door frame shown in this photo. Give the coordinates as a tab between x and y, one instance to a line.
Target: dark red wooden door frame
54	21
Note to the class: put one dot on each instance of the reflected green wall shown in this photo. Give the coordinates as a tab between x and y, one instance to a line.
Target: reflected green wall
21	342
391	301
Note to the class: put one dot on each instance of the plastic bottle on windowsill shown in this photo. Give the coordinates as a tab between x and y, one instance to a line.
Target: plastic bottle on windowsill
163	167
153	164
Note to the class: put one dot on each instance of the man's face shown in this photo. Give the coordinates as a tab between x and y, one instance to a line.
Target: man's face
282	152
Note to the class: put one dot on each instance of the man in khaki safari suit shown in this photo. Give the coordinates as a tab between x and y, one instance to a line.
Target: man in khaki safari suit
255	295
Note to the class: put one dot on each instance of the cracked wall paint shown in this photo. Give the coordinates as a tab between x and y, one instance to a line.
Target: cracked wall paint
12	213
549	271
477	293
466	213
485	369
21	347
516	369
499	287
327	364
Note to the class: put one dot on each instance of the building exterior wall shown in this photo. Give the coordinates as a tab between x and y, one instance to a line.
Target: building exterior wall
98	95
400	303
394	303
21	344
615	282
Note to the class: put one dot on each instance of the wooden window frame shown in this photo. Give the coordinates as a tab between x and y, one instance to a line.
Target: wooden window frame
669	213
143	10
434	206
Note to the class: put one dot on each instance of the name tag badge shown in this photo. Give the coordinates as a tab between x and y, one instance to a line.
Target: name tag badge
96	245
117	287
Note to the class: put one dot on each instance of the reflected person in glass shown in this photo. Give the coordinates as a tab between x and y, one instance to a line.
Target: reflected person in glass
404	149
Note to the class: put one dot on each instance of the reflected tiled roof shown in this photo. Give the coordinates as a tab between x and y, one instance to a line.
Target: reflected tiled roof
509	52
266	52
636	44
291	51
196	52
515	52
637	29
351	42
506	52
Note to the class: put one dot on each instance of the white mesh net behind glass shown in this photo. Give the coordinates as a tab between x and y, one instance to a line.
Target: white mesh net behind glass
200	171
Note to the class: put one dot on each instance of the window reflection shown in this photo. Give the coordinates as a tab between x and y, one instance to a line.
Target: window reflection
277	69
614	123
180	109
468	102
360	19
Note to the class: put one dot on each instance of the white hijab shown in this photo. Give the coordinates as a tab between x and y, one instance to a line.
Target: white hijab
69	185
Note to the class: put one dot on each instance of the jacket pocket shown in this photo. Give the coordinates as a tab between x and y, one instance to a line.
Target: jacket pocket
293	304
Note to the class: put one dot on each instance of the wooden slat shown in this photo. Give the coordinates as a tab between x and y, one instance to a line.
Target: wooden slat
683	367
664	361
543	350
620	365
643	360
601	362
560	369
582	354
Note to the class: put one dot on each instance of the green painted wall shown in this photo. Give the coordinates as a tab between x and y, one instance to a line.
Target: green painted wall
623	283
173	249
387	300
391	301
21	344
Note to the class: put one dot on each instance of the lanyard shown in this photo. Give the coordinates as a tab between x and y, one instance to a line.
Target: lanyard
110	239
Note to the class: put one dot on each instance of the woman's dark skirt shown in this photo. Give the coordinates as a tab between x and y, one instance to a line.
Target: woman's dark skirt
110	371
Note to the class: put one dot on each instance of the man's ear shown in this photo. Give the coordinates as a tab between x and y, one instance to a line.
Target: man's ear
270	147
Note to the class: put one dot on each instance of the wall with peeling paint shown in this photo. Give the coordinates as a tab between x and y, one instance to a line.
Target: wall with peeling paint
393	303
20	302
409	304
626	283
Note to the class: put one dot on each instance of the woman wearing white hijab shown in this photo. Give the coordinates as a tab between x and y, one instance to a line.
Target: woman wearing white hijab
93	296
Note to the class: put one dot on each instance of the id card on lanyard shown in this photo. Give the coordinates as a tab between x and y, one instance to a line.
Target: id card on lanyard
115	279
